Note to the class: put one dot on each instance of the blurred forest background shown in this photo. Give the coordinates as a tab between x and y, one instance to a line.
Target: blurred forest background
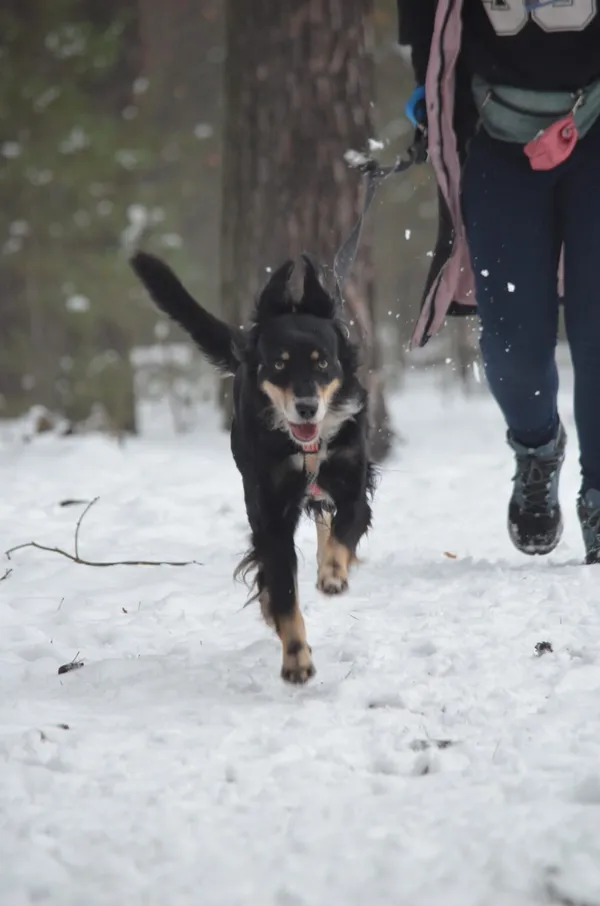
211	132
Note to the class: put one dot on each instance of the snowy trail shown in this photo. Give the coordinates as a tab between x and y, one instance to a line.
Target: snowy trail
190	774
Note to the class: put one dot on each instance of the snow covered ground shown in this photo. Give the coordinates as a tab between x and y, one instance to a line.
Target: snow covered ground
435	760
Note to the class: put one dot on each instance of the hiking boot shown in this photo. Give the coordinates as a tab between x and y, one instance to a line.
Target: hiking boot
534	517
588	510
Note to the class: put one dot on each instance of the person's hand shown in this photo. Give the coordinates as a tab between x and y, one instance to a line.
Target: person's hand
416	108
416	111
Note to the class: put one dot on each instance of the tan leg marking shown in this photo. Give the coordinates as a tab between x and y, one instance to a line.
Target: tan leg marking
297	666
333	567
323	521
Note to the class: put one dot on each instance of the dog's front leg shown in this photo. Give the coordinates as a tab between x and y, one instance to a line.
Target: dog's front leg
347	484
273	515
323	524
279	600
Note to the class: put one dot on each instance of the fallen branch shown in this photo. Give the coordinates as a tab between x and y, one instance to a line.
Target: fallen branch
75	558
6	575
79	521
58	550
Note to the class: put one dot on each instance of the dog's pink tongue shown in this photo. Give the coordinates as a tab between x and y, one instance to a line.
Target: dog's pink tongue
304	432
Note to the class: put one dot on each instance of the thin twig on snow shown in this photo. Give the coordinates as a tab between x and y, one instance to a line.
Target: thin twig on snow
75	558
79	521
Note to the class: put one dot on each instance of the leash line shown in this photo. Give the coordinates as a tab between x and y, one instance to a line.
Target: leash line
373	175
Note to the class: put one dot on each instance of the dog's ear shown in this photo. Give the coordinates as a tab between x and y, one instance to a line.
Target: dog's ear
315	298
348	352
275	298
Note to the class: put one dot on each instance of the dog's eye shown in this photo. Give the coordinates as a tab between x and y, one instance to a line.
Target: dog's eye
322	364
279	365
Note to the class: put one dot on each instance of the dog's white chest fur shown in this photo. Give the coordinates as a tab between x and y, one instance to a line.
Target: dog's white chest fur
310	460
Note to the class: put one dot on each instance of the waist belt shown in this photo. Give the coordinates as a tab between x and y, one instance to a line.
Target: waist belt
548	123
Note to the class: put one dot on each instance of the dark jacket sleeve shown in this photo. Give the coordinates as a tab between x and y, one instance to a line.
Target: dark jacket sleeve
415	20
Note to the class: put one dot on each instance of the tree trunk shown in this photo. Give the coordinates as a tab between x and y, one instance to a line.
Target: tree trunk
298	94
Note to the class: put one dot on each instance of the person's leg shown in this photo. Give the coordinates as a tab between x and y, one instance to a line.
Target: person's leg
510	218
579	197
514	242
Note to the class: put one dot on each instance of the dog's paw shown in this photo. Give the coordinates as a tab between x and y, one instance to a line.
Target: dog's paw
332	578
297	664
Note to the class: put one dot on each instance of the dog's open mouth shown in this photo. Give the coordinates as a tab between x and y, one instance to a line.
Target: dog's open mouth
304	433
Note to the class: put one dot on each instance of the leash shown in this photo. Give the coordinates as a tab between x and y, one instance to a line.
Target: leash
373	175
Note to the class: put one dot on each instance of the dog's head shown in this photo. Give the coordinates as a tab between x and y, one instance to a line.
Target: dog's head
303	357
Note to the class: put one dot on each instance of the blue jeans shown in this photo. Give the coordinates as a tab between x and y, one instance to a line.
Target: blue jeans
516	220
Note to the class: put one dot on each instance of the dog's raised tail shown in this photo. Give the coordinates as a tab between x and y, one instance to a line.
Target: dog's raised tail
217	340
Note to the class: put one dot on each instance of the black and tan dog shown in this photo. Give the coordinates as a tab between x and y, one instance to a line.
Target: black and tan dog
298	437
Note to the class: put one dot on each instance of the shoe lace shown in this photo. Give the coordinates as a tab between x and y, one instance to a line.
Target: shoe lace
535	480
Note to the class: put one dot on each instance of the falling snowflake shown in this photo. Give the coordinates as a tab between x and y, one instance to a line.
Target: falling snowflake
203	131
10	149
77	302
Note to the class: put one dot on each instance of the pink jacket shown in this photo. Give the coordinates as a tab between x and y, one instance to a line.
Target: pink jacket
455	279
454	283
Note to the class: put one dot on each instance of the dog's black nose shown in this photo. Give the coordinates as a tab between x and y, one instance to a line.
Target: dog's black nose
307	408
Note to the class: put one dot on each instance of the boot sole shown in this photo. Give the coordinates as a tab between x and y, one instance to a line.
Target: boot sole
535	550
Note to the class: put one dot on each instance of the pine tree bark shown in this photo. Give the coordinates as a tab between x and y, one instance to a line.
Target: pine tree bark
299	81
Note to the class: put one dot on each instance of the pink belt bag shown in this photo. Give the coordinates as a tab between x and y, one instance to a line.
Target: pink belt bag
547	123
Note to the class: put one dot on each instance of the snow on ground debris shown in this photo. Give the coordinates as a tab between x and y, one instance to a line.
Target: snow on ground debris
435	760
